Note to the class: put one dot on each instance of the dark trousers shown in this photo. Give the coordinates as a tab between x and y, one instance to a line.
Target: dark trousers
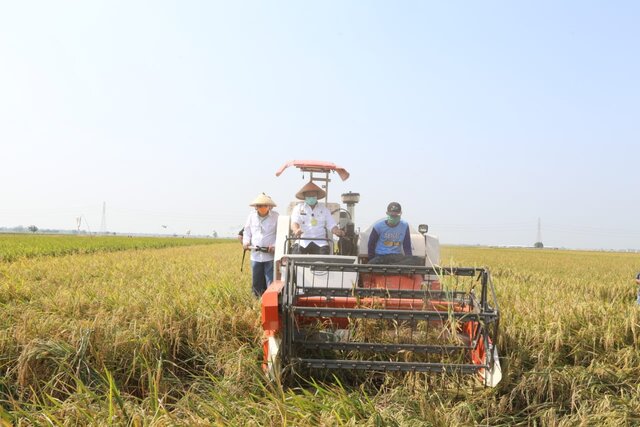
312	249
262	273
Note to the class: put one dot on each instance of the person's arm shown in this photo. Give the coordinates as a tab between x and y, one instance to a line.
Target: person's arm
407	242
273	228
246	235
331	223
296	231
373	240
337	231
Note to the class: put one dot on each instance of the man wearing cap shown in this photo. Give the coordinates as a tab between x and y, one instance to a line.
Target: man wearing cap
259	234
310	221
390	239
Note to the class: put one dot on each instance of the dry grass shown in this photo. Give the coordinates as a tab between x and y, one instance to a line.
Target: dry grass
172	337
16	246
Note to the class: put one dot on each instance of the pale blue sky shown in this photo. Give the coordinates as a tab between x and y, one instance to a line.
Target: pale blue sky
478	117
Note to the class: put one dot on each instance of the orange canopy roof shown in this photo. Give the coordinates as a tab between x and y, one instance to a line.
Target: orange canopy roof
315	166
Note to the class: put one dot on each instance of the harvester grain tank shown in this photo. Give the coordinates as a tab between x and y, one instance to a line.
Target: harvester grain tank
337	311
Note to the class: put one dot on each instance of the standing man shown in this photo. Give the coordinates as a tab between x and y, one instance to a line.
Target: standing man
311	220
638	283
260	235
390	240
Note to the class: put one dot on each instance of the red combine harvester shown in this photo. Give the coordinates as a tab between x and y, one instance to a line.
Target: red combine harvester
338	312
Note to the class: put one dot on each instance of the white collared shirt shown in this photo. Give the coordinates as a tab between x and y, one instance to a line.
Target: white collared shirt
260	231
315	223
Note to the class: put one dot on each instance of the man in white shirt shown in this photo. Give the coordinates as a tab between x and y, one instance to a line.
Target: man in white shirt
260	236
310	222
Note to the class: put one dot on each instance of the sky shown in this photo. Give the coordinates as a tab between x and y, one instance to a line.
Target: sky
478	117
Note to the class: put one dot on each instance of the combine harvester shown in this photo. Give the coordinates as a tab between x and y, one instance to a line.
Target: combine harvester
336	311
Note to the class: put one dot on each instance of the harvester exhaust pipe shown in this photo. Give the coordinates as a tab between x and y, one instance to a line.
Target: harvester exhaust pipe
350	199
348	244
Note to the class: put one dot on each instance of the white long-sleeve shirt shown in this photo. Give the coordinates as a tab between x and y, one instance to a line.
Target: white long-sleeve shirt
315	223
260	231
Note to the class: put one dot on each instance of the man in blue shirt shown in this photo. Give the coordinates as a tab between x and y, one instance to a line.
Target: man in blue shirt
390	240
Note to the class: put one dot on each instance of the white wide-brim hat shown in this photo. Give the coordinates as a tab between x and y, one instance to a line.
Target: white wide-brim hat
263	199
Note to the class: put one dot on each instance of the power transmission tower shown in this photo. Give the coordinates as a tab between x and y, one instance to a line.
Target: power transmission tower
539	231
538	243
103	223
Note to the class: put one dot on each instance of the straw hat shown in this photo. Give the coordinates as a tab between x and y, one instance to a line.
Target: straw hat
310	186
263	199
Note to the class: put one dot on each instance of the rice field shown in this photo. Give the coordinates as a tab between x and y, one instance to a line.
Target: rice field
171	336
14	246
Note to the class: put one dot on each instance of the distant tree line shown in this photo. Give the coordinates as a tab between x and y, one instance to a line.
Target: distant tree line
34	229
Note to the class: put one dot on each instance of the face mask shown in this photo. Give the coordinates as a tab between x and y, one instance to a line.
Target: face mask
262	211
311	200
393	220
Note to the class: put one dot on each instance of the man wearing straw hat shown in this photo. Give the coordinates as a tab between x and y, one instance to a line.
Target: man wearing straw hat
260	236
310	221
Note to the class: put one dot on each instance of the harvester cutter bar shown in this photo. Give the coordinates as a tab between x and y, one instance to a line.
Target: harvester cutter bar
381	365
369	313
378	348
391	293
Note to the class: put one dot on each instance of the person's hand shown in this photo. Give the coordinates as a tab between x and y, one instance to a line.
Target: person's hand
297	233
246	246
338	232
272	249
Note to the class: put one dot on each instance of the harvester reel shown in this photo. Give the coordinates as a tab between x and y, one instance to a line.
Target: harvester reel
385	318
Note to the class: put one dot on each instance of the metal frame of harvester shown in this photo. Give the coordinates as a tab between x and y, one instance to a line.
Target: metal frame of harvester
338	312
